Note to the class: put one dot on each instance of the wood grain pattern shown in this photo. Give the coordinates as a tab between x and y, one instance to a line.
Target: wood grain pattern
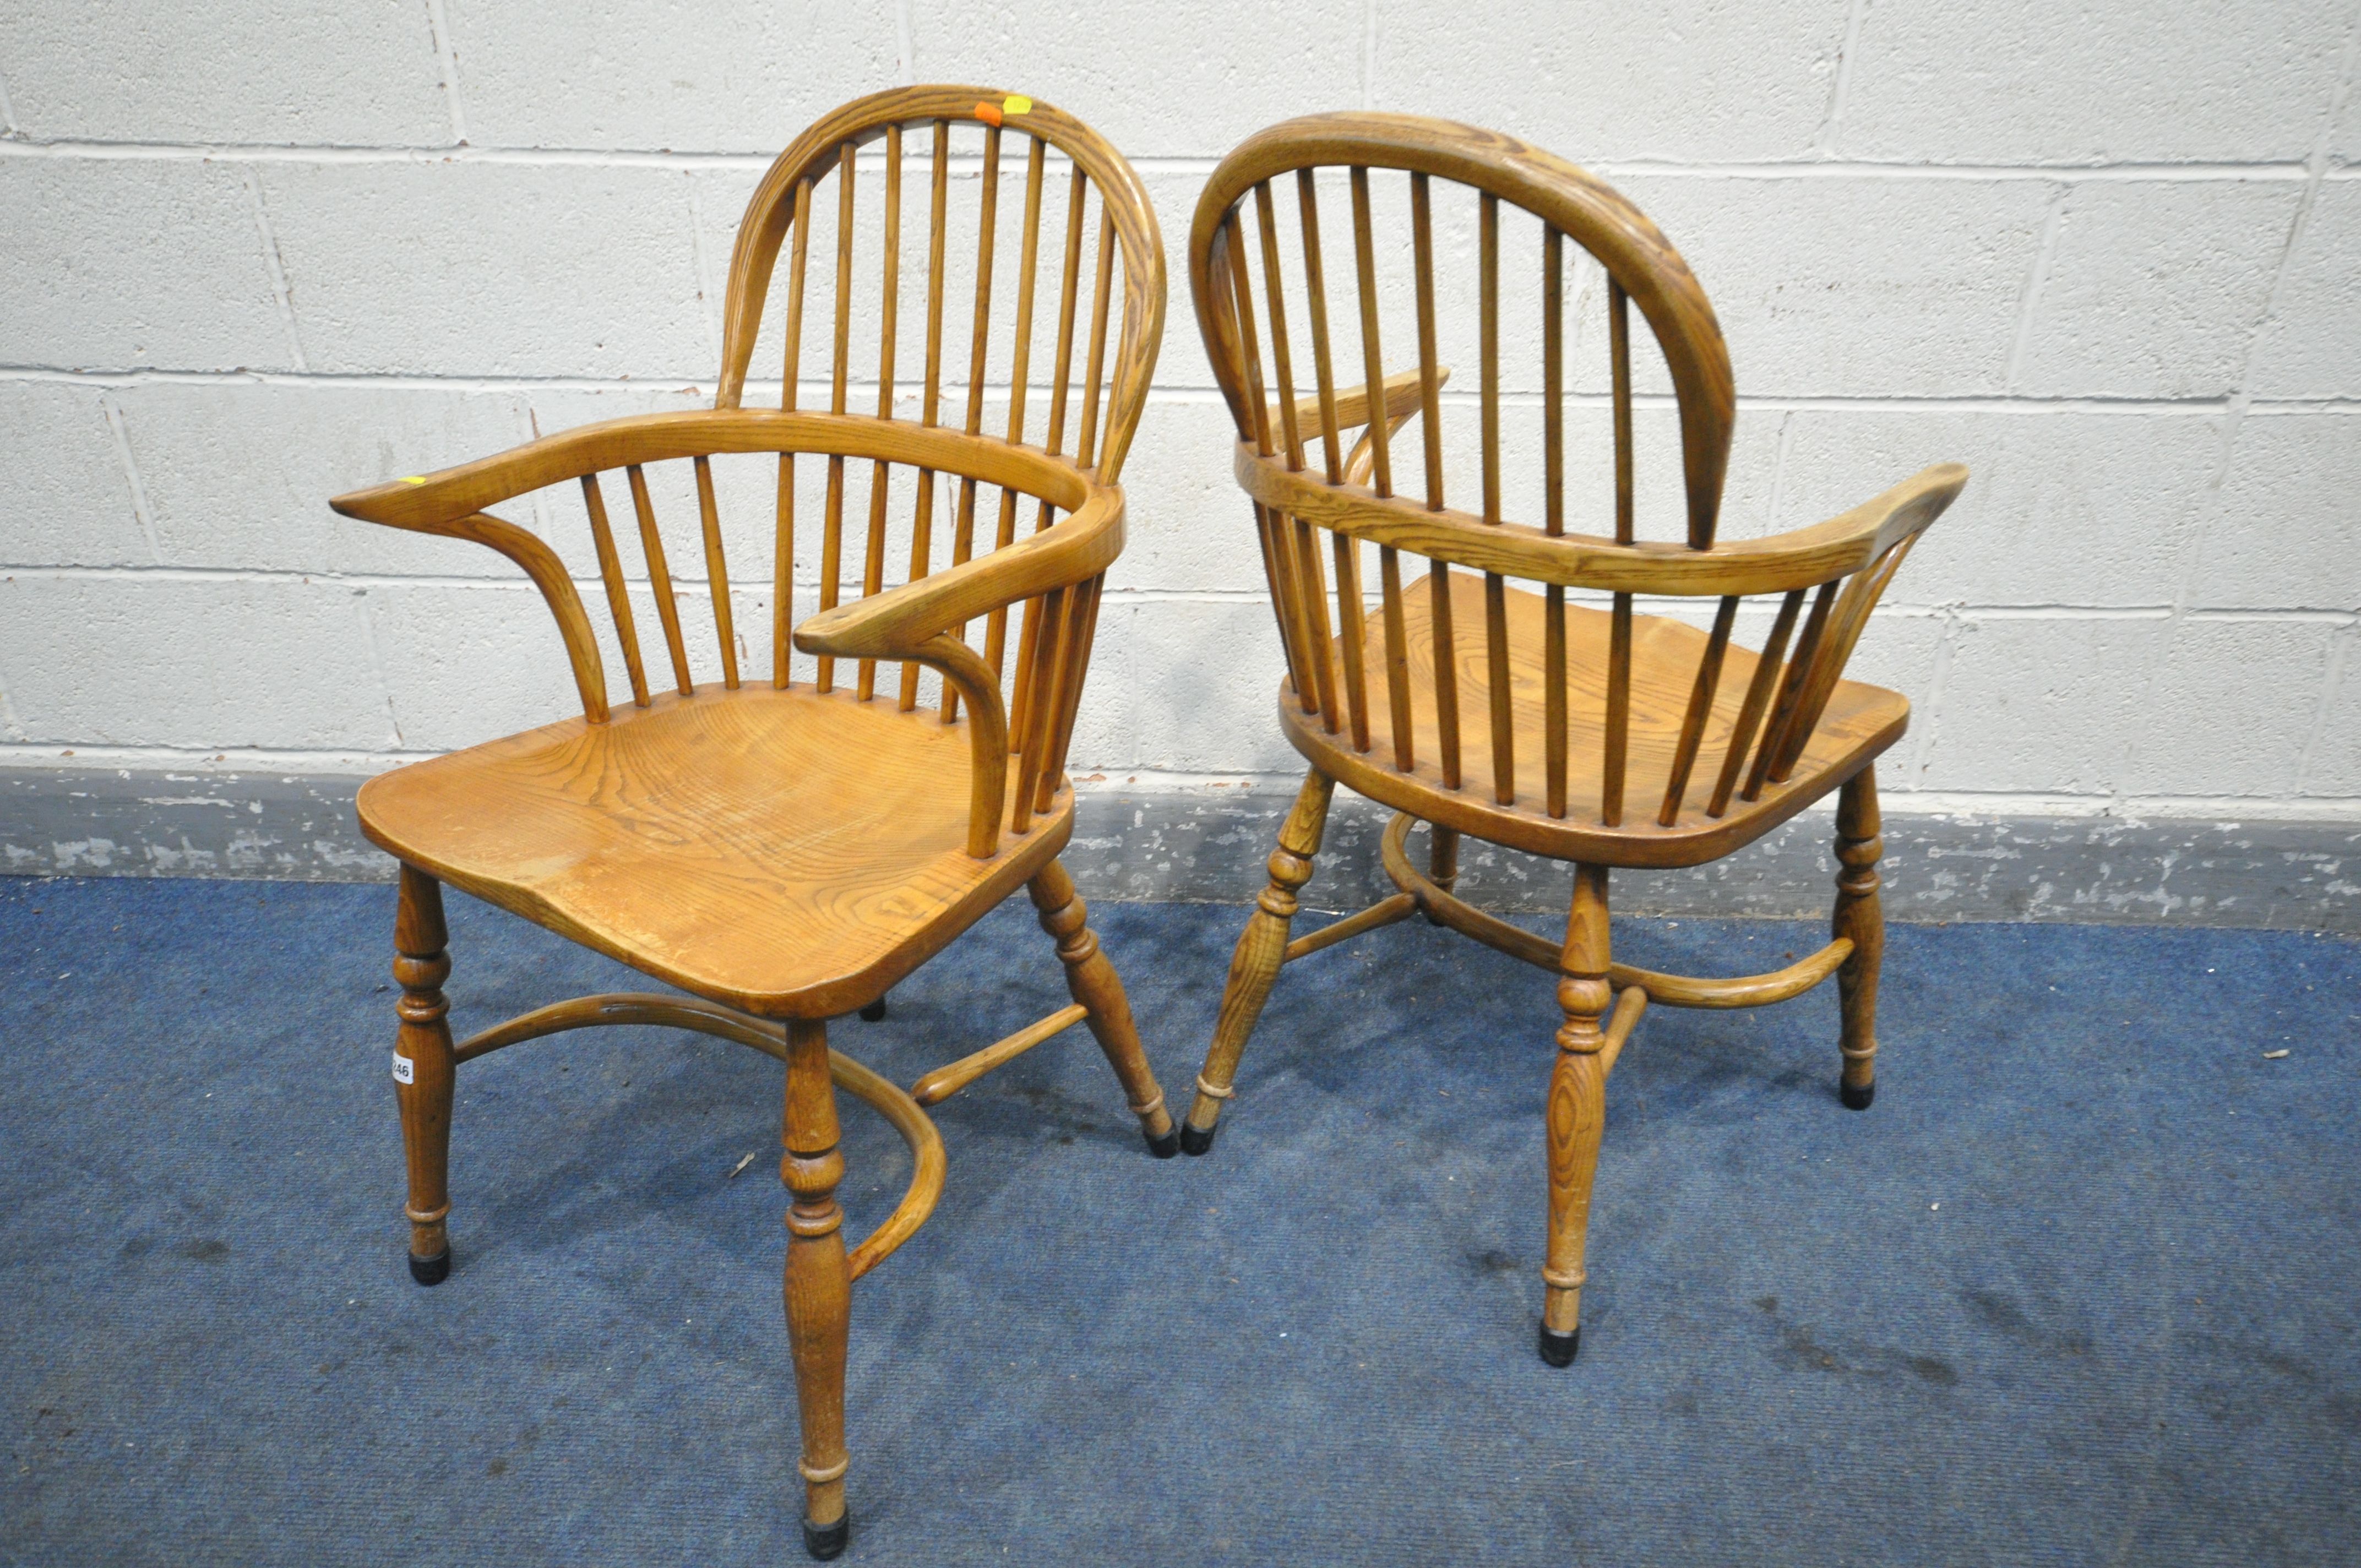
787	853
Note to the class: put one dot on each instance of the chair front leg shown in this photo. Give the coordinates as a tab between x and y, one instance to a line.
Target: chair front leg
1577	1112
1443	862
423	1071
819	1284
1860	916
1262	947
1091	981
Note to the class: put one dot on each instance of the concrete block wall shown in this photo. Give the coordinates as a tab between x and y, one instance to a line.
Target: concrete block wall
2109	257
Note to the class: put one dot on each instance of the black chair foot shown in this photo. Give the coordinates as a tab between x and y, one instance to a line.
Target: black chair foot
1856	1099
825	1541
875	1012
431	1270
1197	1140
1166	1147
1559	1349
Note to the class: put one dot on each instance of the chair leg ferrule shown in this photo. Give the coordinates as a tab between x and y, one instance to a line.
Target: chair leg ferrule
1559	1349
825	1541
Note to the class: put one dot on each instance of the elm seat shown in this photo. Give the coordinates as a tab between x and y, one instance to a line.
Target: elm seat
787	852
1860	721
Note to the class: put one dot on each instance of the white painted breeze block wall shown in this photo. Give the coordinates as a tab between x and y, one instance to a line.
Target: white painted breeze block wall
254	253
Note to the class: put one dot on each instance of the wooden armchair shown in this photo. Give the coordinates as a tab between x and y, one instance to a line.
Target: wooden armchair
786	850
1592	735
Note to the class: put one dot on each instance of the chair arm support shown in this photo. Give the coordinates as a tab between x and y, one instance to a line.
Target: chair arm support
1404	395
914	621
963	667
548	573
896	623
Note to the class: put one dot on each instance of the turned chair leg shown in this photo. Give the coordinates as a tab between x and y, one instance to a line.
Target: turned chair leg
1093	982
1442	861
819	1284
1577	1112
423	1071
1859	915
1261	949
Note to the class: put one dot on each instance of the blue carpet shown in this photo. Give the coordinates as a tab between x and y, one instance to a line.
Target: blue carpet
2081	1288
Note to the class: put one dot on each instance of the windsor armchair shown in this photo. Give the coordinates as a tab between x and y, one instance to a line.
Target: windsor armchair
786	850
1569	731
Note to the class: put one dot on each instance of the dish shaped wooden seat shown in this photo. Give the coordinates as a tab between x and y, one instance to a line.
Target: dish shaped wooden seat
1860	721
1602	736
784	845
788	852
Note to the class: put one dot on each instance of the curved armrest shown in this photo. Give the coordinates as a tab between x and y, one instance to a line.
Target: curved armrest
452	501
914	621
423	502
894	624
1803	558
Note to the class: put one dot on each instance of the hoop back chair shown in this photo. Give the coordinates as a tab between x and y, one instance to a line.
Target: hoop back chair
786	850
1592	735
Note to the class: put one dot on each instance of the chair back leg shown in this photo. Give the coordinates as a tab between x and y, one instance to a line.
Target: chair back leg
1577	1111
1262	947
1859	915
423	1070
1091	981
818	1282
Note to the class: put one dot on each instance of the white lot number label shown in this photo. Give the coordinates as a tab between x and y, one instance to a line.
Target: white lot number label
401	1068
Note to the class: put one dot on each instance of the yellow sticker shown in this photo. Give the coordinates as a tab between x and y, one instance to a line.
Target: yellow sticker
1015	103
413	478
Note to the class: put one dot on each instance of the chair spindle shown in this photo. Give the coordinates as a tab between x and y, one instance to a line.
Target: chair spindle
1757	698
873	569
987	226
1791	683
783	553
1700	705
618	598
995	634
831	543
922	525
717	573
659	577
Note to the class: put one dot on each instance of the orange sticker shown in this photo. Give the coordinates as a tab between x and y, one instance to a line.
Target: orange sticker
988	112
